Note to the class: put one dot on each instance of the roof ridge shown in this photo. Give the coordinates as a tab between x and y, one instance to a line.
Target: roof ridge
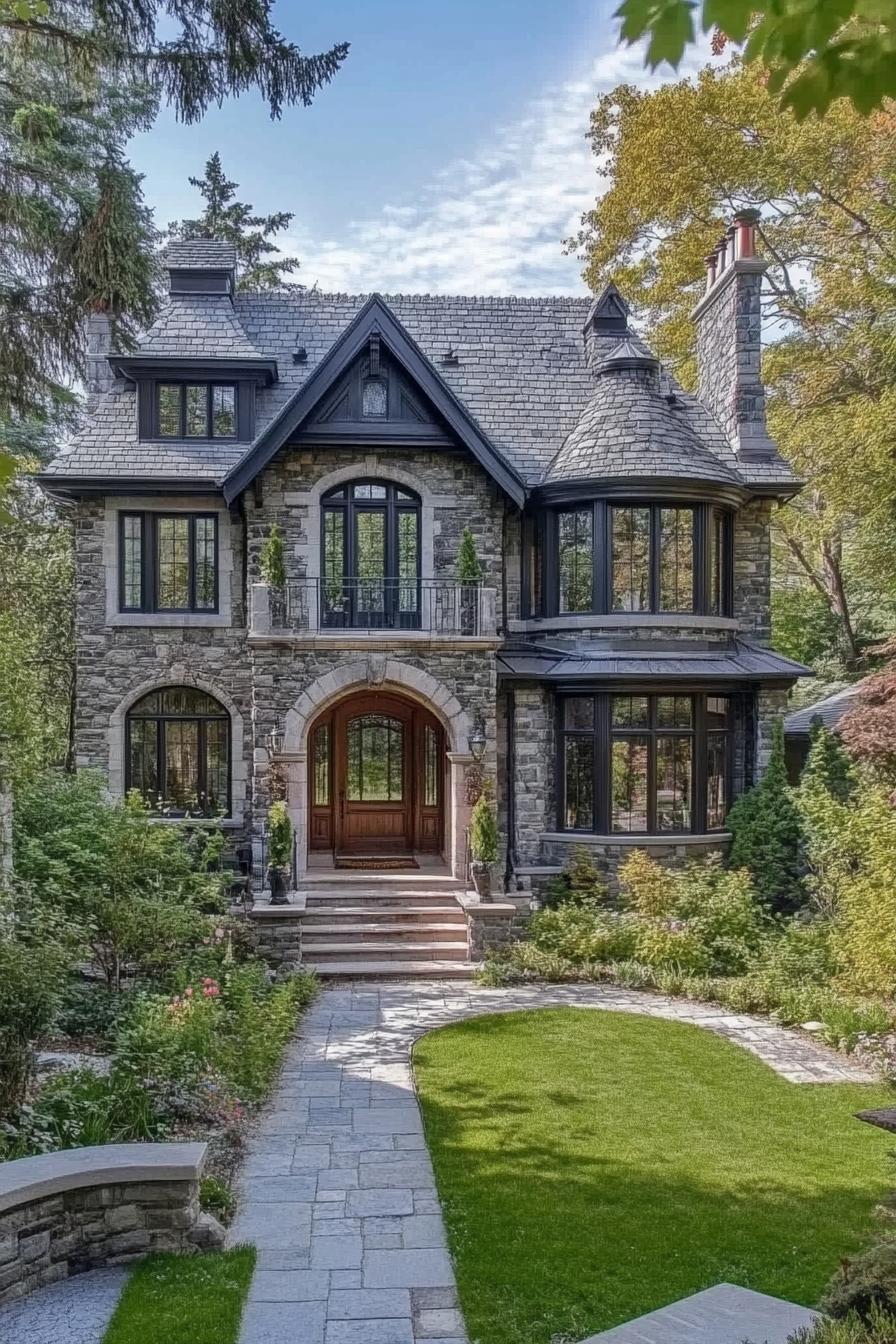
522	300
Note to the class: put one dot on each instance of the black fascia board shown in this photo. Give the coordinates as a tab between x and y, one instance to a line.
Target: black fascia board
263	371
69	487
375	318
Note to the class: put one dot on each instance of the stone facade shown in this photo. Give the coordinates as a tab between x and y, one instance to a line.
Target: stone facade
49	1239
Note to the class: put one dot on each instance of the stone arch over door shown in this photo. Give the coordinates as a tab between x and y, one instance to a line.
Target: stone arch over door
381	673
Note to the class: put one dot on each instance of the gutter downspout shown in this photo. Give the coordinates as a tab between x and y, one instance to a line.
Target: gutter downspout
510	865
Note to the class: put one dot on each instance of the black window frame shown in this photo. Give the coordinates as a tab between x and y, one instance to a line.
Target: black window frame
149	562
341	499
602	734
546	527
161	718
183	384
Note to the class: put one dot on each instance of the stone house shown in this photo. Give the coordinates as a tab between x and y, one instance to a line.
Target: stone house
609	673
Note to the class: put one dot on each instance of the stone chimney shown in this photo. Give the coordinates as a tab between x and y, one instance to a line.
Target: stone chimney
729	330
99	346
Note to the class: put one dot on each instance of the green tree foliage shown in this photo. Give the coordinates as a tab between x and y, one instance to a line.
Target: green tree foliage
484	831
827	765
279	836
815	51
469	570
766	835
679	161
259	265
272	561
143	896
191	56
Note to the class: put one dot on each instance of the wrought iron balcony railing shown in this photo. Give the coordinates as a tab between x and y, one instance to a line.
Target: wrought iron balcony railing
437	607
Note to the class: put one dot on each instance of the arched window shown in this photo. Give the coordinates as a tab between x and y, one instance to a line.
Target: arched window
178	752
370	559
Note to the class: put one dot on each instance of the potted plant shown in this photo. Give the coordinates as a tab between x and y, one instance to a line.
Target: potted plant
469	576
272	566
279	853
483	845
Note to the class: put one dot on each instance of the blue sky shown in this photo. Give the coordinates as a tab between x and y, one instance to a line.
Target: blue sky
448	155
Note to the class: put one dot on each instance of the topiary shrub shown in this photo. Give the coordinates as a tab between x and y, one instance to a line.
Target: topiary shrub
272	559
484	832
863	1283
469	570
767	835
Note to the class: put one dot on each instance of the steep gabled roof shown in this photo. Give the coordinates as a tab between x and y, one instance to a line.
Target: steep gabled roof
375	318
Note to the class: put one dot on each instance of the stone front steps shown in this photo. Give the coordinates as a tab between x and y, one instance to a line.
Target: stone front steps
386	924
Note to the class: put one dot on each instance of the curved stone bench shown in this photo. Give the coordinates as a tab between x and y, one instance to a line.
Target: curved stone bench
62	1213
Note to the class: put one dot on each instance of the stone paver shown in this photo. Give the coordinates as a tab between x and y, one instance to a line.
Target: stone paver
74	1311
338	1190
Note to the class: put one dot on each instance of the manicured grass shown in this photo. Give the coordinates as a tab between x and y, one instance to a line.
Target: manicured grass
175	1299
595	1165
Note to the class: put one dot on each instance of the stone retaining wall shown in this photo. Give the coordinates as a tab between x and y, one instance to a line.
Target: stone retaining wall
64	1217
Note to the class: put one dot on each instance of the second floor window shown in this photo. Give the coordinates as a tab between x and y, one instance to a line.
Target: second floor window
370	558
195	411
168	562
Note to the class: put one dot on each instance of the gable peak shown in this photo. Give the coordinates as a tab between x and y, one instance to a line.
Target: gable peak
608	313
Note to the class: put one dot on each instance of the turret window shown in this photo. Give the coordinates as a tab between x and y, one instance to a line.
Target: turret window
633	558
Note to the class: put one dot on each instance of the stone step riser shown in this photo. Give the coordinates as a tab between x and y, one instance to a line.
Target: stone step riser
398	970
353	914
416	934
360	952
318	902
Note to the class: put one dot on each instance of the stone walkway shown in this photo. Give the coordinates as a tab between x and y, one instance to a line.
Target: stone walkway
75	1311
338	1192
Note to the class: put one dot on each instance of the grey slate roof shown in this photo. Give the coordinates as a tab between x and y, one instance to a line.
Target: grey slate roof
830	710
193	325
520	372
630	428
737	661
200	254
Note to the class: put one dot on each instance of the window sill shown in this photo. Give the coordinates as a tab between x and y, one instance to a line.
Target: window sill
220	823
215	620
637	841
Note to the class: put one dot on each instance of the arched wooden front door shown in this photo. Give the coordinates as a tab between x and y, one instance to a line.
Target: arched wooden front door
376	777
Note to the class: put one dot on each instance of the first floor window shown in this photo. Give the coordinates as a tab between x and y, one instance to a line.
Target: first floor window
178	752
168	562
645	764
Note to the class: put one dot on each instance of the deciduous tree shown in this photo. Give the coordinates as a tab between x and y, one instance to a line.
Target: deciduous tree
679	161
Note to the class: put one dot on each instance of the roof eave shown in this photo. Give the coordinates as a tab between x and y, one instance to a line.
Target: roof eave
70	487
262	370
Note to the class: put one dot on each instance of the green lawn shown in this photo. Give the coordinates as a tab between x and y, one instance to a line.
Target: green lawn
595	1165
174	1299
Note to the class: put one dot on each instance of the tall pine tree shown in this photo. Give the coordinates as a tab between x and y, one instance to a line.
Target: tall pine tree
259	264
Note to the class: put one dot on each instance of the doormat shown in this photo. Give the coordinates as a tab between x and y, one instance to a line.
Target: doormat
378	864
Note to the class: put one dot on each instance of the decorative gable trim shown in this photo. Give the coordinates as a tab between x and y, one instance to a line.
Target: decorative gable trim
375	319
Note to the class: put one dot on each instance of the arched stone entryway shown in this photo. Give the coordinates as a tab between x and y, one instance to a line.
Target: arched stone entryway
380	675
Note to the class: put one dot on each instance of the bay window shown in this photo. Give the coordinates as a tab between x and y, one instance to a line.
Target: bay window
635	557
645	764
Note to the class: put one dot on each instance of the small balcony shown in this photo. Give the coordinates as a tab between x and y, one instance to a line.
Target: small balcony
339	610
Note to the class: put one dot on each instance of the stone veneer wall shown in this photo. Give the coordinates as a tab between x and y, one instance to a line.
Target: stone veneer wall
115	662
64	1234
451	484
753	570
673	853
535	785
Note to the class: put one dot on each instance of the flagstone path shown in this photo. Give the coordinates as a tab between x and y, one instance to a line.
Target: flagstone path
338	1192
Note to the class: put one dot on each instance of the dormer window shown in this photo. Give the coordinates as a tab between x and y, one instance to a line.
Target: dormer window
374	399
195	411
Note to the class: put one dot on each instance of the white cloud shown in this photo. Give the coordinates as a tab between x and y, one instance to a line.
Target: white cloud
490	223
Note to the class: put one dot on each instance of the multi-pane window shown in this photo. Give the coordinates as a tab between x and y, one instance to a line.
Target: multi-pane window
632	557
576	559
178	752
371	556
168	562
195	411
430	766
645	764
375	765
321	765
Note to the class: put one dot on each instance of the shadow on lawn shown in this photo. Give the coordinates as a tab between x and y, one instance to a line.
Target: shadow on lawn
558	1236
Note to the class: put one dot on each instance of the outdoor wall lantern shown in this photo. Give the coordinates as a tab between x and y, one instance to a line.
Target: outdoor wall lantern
476	740
275	741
